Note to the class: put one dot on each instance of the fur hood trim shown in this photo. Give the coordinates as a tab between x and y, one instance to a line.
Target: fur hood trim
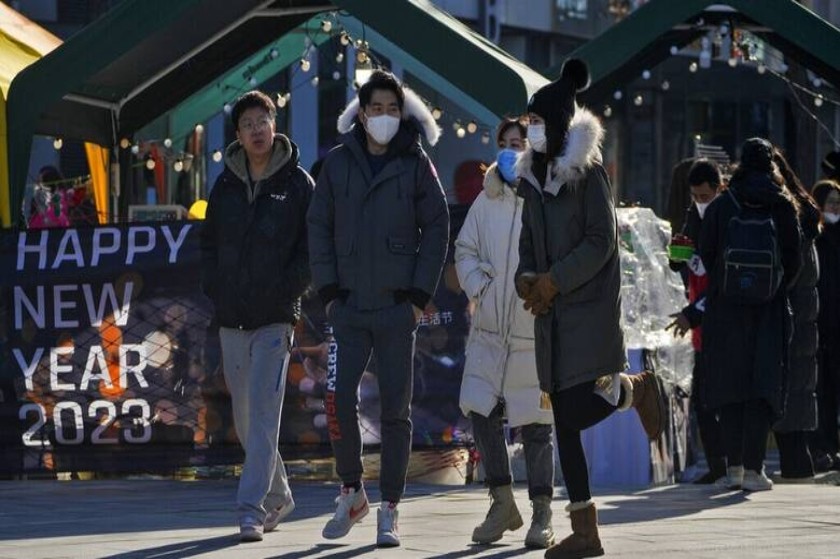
583	149
494	186
414	107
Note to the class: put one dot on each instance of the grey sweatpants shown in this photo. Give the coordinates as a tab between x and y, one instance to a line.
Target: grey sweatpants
390	333
255	363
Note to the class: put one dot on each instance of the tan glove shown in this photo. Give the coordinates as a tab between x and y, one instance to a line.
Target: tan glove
524	284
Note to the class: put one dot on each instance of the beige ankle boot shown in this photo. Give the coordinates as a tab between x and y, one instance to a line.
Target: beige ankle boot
540	534
503	515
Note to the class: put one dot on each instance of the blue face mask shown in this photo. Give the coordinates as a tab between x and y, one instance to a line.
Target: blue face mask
506	163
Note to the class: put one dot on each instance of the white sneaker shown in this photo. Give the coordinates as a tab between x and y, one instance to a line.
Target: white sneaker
274	517
352	507
734	478
250	529
387	525
756	481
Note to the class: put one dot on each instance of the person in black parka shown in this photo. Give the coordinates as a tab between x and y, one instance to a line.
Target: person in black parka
800	418
746	346
824	444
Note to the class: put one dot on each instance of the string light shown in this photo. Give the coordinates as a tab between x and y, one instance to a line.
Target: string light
304	64
336	75
124	143
646	75
167	143
150	164
485	138
281	100
674	50
217	155
472	127
227	108
607	111
460	132
733	61
339	57
692	67
199	128
618	95
326	26
437	112
58	143
274	53
135	149
253	81
638	100
761	68
818	100
666	85
345	38
178	165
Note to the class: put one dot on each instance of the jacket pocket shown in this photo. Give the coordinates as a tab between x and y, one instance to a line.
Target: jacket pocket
403	245
346	262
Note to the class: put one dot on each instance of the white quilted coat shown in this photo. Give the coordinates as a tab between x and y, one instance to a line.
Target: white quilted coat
500	351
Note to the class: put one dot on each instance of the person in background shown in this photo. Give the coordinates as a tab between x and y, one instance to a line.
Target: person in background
379	231
747	323
500	374
824	443
254	268
794	429
705	184
679	195
569	278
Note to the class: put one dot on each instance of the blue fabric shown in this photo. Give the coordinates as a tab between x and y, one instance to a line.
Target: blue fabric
506	163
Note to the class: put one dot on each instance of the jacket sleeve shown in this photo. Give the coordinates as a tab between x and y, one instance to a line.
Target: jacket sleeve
527	258
432	216
709	239
297	275
790	241
320	220
474	274
599	241
208	245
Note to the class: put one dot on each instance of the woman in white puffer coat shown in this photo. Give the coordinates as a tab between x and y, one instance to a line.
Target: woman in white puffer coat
500	375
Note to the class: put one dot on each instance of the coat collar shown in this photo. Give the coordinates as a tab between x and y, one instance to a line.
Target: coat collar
583	150
494	185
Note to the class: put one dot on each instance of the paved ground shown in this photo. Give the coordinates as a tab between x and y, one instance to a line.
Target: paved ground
170	519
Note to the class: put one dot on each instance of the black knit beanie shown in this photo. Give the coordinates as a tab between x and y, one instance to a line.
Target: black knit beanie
757	155
555	103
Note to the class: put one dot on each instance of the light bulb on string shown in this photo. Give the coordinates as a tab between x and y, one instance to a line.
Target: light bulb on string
472	127
336	75
274	53
437	112
638	100
167	143
288	96
362	57
135	149
485	138
125	143
692	67
618	95
305	64
818	100
314	81
326	26
733	61
150	164
178	165
646	75
783	68
674	50
253	81
339	57
281	100
460	132
199	128
227	108
666	85
607	111
761	68
345	38
217	156
817	82
58	143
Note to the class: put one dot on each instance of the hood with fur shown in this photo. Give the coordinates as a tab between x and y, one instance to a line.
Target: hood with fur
494	185
583	149
413	109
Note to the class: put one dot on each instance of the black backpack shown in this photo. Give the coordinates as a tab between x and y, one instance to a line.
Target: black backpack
752	263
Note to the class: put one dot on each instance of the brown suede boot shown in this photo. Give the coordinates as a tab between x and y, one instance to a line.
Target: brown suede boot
584	540
644	393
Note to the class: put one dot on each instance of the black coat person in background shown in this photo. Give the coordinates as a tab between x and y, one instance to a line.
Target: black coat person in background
569	277
800	417
824	444
746	345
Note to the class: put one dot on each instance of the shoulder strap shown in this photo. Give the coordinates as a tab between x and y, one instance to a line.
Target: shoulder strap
734	199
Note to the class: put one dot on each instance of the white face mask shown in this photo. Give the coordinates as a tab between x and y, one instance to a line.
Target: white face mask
701	208
831	218
536	137
382	128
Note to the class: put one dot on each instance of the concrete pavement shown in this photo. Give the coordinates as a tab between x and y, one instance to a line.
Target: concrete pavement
132	519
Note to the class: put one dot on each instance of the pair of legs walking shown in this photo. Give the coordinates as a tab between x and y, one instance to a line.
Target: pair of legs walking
255	364
745	426
390	334
539	463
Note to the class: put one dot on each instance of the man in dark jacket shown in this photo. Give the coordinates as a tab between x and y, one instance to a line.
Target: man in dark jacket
704	183
569	277
255	267
378	233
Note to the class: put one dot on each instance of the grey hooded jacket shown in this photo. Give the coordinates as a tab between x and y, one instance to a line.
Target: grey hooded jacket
379	240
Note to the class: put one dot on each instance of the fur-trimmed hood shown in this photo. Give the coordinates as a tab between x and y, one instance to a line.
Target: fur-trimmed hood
413	109
583	149
494	185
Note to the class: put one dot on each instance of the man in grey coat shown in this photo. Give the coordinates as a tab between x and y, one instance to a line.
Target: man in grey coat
378	234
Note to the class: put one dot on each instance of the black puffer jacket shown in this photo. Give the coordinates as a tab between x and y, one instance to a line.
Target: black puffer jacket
254	255
746	346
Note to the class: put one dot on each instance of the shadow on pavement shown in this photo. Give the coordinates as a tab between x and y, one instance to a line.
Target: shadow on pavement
181	549
321	547
475	549
669	502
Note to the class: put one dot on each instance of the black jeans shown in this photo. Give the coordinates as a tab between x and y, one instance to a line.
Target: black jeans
575	409
745	427
708	425
794	455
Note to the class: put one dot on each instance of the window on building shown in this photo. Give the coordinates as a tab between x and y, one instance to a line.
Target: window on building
572	9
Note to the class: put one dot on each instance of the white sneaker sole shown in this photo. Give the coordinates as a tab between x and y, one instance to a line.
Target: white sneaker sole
272	525
333	534
387	540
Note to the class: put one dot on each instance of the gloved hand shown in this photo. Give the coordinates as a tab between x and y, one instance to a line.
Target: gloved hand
537	306
545	287
524	284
